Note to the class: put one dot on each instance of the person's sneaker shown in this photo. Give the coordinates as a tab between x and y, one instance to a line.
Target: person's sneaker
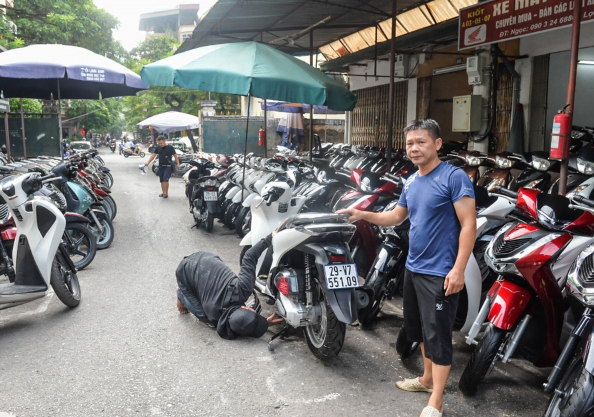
165	196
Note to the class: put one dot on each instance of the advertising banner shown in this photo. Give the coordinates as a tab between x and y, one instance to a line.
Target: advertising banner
501	20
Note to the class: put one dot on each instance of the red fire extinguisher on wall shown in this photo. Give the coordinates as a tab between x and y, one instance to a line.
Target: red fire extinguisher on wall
561	135
262	137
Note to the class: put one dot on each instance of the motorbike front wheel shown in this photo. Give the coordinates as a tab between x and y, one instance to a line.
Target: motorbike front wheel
325	339
230	215
404	347
142	154
105	238
481	360
243	224
126	155
114	208
209	221
108	180
64	281
575	394
81	245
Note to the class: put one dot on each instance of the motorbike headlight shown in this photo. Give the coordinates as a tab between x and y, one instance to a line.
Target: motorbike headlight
496	182
580	279
576	134
503	162
210	183
540	163
585	167
473	160
533	184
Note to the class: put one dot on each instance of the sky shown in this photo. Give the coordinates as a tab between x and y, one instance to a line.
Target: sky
128	12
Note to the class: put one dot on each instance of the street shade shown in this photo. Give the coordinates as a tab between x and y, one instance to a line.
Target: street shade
64	72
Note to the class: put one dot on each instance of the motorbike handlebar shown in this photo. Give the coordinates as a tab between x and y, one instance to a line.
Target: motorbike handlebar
504	191
583	200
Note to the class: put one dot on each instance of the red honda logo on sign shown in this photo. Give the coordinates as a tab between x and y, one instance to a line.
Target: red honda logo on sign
475	35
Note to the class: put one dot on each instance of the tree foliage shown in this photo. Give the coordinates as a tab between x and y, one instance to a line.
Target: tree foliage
68	22
97	116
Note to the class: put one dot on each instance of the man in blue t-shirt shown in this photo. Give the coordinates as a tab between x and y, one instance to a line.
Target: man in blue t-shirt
439	199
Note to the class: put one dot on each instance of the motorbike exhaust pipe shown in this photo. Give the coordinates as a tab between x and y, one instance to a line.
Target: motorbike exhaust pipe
478	321
362	297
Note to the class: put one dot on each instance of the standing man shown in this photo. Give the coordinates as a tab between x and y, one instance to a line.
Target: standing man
121	146
165	152
439	199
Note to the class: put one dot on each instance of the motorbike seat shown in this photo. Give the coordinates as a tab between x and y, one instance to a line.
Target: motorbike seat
313	218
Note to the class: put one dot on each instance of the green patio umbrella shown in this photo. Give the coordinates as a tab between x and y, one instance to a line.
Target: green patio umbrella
249	69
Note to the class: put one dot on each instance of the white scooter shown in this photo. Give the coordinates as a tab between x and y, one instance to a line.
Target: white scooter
308	271
40	260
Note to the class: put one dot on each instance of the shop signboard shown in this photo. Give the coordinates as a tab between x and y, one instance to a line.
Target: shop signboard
501	20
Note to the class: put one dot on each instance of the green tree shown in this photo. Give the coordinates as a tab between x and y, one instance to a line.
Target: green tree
29	105
68	22
154	49
98	116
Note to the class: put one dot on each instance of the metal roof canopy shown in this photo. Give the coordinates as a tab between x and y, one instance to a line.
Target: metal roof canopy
286	24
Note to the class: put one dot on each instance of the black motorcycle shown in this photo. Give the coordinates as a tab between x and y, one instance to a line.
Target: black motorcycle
205	193
112	146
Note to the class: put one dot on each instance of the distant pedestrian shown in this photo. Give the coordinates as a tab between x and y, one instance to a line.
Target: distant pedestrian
164	152
121	147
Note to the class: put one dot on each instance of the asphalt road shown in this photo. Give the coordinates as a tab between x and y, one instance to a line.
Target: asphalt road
125	351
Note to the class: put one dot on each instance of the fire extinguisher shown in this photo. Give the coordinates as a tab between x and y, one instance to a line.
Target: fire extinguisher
561	135
261	138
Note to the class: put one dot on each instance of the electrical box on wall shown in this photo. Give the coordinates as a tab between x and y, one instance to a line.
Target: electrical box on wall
466	116
474	69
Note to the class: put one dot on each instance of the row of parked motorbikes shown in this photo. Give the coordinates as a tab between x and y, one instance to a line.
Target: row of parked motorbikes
529	283
54	216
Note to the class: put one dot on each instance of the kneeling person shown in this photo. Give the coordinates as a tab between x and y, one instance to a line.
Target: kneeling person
213	293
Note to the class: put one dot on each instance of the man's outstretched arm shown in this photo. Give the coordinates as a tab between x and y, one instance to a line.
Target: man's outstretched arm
247	273
386	218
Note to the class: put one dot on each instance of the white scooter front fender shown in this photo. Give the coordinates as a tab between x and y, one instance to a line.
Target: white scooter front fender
248	201
473	286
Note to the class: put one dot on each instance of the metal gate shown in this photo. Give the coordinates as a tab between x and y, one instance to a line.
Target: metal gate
370	116
538	141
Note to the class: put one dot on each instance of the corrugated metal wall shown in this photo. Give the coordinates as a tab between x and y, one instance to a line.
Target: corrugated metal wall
370	116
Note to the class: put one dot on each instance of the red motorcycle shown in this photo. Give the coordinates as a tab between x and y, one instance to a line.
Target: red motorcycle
373	193
525	306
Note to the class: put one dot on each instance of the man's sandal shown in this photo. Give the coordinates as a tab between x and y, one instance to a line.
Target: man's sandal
430	412
413	385
161	195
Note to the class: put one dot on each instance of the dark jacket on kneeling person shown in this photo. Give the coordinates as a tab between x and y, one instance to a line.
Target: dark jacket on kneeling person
218	289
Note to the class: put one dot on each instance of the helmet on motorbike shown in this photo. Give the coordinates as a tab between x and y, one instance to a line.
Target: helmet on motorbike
224	160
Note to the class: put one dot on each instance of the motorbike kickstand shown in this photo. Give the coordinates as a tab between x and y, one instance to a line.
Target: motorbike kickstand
284	332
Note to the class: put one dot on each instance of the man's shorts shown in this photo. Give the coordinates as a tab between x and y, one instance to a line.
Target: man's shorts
429	315
164	174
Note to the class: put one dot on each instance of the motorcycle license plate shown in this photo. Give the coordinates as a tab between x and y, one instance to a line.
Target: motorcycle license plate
210	196
341	276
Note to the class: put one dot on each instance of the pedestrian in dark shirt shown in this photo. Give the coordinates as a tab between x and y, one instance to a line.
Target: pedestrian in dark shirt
439	199
164	152
216	296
